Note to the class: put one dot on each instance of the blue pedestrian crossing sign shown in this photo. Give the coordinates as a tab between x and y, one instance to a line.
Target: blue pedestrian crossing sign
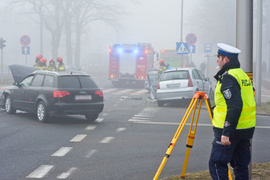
182	48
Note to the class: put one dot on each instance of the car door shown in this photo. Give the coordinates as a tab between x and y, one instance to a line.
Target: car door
19	93
197	80
32	92
206	85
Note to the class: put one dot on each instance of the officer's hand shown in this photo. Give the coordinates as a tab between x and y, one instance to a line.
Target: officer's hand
225	140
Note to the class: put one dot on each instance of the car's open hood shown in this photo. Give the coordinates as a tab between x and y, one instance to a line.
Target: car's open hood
19	72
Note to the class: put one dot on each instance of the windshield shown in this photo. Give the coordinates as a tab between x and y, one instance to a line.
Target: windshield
171	75
76	82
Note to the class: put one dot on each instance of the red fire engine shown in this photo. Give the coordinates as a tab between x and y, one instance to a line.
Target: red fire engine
129	63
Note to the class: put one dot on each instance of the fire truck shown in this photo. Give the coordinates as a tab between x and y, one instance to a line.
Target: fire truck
129	63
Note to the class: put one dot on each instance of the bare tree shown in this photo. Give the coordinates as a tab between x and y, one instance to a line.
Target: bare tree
69	15
88	11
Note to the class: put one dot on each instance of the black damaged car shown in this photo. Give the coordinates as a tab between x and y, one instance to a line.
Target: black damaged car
46	93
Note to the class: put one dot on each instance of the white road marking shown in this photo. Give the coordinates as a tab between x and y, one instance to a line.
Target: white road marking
140	118
109	90
99	119
91	153
90	127
65	175
140	92
137	120
125	91
62	151
188	124
263	127
78	138
120	129
107	140
143	115
41	171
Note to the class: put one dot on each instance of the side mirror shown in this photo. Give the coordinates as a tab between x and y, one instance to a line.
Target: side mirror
16	84
207	79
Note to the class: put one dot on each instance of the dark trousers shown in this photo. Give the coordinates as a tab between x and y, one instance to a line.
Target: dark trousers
237	154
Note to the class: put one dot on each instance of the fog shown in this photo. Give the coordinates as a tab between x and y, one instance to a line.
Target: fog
146	21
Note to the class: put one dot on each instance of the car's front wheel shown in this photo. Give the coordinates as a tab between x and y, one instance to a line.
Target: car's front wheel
42	114
91	117
9	106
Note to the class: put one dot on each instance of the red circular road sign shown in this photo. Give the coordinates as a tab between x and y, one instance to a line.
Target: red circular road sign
25	40
191	39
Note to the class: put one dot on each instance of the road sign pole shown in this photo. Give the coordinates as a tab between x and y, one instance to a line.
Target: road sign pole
26	59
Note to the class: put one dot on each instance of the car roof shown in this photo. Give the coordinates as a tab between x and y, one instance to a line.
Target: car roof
179	69
61	73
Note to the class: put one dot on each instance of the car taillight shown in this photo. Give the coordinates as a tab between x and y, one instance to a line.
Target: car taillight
99	93
190	84
158	86
60	94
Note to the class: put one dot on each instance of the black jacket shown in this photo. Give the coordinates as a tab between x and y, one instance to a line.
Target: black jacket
234	104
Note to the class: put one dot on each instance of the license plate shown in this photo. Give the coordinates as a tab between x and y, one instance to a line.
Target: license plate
83	97
177	85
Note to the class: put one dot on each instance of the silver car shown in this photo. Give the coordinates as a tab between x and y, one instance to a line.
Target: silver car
181	84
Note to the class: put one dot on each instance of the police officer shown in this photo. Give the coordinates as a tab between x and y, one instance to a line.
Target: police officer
61	66
162	66
52	66
37	63
234	117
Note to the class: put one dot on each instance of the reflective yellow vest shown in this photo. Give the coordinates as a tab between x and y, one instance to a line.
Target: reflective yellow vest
248	115
61	67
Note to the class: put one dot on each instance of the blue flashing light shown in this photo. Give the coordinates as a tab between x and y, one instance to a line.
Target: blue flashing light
119	50
135	51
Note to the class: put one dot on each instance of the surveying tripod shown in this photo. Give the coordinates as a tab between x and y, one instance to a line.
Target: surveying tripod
191	135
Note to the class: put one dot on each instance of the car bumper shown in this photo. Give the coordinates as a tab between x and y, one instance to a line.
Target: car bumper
172	95
78	108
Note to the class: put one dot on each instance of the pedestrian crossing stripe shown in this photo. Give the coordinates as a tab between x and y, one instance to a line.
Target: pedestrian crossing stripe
125	91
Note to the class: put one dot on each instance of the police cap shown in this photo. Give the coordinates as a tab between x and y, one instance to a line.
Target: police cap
228	50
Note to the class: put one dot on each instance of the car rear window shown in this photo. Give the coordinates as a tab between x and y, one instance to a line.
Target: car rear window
76	82
171	75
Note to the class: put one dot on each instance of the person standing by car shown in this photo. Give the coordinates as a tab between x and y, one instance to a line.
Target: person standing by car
37	64
162	66
43	65
234	117
61	66
52	66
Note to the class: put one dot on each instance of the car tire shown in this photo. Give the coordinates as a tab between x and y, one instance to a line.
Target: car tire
41	112
9	106
160	103
91	117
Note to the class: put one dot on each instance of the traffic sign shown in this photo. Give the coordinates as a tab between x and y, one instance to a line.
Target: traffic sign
207	47
26	50
182	48
191	39
25	40
192	48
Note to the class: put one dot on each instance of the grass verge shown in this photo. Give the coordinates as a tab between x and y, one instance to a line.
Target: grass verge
260	171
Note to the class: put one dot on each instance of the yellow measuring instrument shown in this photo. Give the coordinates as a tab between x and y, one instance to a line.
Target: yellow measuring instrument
198	96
